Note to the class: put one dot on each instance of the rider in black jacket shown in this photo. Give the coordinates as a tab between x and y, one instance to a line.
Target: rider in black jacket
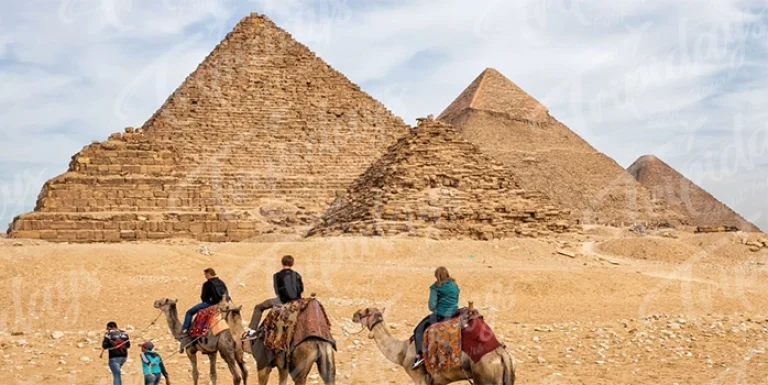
214	291
288	287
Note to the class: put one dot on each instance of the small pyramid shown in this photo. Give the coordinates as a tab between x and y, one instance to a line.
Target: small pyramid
665	182
432	183
493	92
259	139
545	155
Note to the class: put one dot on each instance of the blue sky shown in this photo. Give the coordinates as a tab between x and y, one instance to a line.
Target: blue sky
686	81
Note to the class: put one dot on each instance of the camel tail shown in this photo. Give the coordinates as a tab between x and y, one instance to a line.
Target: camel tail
326	362
508	378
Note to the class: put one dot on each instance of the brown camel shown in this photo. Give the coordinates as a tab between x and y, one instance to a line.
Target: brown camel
495	368
311	351
209	345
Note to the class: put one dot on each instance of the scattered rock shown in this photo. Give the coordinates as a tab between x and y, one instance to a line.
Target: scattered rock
57	335
203	249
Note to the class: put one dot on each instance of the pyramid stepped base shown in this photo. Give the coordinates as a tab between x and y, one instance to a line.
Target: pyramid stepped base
432	183
121	227
452	230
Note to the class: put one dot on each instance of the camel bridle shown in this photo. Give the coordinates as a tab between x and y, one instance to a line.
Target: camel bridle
367	322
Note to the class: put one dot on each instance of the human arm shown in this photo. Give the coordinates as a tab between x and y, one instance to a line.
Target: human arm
105	344
299	284
204	294
165	372
432	304
274	285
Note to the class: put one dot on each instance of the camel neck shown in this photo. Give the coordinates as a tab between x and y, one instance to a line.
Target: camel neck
392	348
172	317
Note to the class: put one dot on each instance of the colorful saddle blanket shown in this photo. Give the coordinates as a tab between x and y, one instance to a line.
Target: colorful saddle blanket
206	320
465	332
290	324
442	346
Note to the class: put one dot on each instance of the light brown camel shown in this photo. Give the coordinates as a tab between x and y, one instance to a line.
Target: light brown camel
311	351
224	344
494	368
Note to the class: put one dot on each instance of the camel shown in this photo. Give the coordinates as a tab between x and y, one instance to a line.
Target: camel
224	344
495	368
311	351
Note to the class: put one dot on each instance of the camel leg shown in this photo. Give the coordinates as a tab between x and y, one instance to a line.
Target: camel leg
300	370
263	374
326	363
229	357
212	359
282	376
193	361
241	365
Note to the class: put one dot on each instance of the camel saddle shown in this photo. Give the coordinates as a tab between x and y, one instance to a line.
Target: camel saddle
465	331
208	319
290	324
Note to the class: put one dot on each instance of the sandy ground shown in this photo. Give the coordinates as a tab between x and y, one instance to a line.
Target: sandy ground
660	308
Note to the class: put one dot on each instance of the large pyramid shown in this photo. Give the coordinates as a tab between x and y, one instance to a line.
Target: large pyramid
432	183
665	182
545	155
260	138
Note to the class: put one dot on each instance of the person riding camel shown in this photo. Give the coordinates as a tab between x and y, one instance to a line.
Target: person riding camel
214	291
443	303
288	287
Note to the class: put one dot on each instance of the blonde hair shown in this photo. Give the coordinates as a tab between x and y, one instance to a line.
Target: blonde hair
442	276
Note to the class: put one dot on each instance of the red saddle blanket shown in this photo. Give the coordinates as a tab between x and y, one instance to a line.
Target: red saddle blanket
290	324
202	322
465	332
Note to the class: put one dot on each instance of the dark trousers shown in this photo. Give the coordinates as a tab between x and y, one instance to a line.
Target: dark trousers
418	334
259	309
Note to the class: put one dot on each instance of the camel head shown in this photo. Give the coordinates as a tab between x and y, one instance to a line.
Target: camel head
165	303
368	317
225	307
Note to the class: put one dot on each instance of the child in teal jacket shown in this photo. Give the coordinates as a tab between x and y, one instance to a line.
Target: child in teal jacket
152	365
443	303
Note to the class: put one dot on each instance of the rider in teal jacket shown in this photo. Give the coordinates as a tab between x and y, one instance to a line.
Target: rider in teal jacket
443	303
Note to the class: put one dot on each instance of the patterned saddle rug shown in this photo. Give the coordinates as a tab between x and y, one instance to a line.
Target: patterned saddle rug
208	319
465	332
290	324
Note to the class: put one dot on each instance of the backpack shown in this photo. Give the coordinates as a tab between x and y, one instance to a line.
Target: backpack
118	339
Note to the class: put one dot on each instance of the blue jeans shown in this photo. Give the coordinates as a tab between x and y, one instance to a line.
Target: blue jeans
152	379
191	312
421	328
114	366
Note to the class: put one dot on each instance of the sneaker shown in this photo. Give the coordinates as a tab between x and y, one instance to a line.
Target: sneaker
250	335
419	361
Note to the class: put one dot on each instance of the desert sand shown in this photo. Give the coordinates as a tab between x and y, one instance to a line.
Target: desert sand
628	308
